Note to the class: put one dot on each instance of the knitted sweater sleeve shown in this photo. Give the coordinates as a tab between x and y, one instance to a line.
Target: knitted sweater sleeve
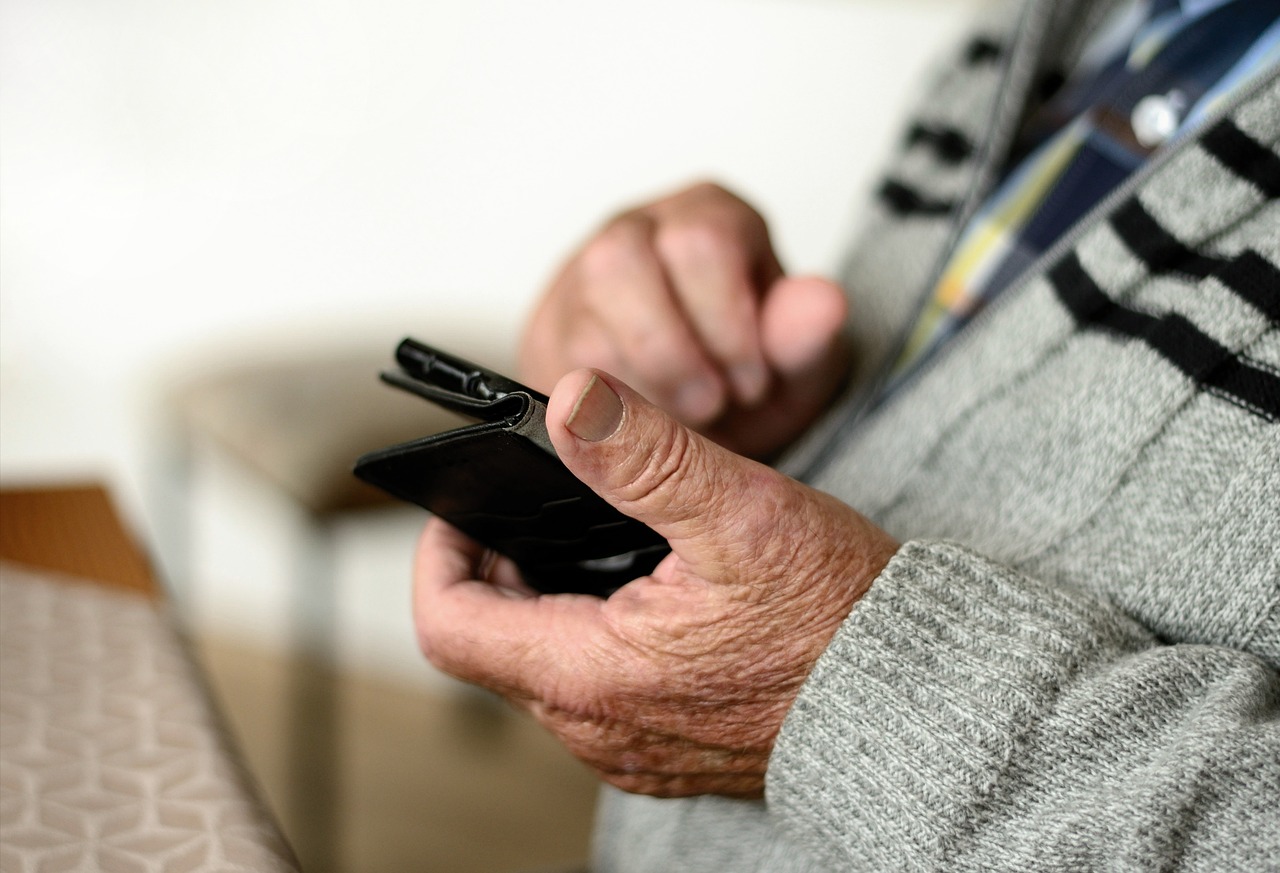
968	716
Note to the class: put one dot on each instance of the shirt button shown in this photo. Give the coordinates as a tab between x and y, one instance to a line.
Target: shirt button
1156	117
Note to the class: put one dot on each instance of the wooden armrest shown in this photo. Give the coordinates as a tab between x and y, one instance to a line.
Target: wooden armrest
73	530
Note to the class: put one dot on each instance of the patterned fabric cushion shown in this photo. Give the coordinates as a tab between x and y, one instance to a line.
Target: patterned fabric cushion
111	756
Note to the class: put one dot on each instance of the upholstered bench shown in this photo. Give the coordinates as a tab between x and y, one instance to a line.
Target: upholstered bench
112	755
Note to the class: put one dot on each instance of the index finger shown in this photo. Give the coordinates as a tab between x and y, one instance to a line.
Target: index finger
718	255
626	288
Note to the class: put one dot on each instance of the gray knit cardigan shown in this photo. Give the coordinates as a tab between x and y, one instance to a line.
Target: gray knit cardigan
1072	662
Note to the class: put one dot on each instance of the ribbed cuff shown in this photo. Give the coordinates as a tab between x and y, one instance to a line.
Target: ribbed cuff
923	697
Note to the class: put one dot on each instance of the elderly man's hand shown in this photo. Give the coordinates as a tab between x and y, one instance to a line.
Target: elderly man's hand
684	299
677	684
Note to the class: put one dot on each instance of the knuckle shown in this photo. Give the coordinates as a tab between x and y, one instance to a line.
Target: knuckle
692	196
719	200
614	251
657	478
708	189
705	241
778	547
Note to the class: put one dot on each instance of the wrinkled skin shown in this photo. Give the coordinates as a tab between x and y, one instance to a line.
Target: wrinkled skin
676	685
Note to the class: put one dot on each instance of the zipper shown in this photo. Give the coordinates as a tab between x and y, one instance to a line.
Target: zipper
873	401
1024	41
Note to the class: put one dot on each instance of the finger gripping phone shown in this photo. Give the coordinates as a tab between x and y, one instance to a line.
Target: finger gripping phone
500	481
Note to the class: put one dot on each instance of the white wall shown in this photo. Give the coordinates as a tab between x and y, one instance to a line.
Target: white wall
183	175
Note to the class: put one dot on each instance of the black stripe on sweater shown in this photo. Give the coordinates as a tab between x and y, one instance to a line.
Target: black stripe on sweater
905	200
982	49
1249	275
1244	156
1207	362
949	144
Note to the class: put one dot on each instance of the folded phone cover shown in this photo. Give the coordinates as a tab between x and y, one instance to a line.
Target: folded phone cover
500	481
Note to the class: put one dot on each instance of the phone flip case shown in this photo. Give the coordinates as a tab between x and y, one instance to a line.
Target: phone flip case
500	481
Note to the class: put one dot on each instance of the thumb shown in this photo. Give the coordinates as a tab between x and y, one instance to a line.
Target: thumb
800	318
714	507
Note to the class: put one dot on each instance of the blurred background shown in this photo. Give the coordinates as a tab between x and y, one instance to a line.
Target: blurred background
217	220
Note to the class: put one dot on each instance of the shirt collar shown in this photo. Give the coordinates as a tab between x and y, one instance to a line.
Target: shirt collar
1164	19
1195	8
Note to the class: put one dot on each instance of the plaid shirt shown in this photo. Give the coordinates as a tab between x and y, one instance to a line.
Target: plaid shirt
1151	74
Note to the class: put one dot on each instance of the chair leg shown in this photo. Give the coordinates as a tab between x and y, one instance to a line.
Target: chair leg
313	728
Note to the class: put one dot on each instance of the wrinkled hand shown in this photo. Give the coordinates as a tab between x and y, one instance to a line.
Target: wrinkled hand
685	300
677	684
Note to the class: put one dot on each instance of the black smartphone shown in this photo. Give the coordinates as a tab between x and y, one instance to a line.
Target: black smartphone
500	481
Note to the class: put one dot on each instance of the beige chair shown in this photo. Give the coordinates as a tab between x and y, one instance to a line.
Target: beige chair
299	422
487	782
